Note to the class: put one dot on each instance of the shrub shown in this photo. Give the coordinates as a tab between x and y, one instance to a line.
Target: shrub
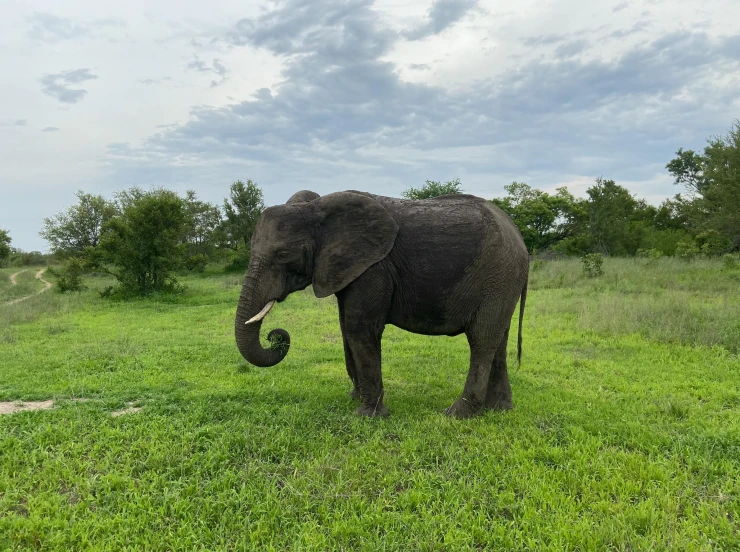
651	254
687	250
69	276
730	261
592	264
197	262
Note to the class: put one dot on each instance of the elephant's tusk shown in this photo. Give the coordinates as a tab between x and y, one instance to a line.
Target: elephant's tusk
261	314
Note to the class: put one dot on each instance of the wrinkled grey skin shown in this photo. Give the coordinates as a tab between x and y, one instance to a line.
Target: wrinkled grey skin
443	266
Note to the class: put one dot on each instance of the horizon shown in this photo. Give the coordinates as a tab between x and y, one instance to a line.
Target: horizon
354	94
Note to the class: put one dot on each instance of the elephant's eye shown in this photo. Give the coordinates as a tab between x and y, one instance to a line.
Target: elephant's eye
283	255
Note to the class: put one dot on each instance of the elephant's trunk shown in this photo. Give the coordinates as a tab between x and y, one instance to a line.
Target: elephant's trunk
251	304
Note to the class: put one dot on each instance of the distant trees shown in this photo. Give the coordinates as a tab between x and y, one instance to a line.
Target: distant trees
4	247
202	222
78	228
144	237
433	189
543	219
712	182
242	208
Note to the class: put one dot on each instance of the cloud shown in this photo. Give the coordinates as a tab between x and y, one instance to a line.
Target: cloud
150	82
342	113
624	4
544	40
216	67
570	49
47	27
58	85
20	123
50	129
442	15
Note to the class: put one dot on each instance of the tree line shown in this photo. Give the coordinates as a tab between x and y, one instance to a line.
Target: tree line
143	238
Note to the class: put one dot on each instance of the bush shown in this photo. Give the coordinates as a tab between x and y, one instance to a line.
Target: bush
687	250
730	261
650	254
592	264
712	243
197	262
69	276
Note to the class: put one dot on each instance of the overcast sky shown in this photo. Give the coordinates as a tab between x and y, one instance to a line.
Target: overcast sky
352	94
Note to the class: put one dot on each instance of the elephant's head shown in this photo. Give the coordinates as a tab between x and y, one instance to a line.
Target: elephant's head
325	241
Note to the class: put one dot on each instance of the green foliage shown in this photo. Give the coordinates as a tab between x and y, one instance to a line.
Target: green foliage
69	276
731	261
592	265
28	258
143	243
544	220
712	181
432	189
5	249
79	228
201	229
197	263
243	209
651	254
687	250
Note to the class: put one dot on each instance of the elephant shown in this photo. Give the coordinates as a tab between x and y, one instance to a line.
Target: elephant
440	266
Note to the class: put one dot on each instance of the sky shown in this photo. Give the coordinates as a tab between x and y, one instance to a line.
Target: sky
332	95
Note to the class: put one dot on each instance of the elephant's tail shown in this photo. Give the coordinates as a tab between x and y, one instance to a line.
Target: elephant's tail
521	319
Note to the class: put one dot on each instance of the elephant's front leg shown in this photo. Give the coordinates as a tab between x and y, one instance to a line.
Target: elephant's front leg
364	344
348	360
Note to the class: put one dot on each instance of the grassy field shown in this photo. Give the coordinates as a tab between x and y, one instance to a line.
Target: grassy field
625	434
26	283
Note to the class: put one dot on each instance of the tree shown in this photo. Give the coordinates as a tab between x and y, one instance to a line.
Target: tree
202	221
143	243
243	209
78	228
610	210
712	182
688	169
5	249
543	219
433	189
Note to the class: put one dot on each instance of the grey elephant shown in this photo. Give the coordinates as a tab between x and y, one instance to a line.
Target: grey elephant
439	266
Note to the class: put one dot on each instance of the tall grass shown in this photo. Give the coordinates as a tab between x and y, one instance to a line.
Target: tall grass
669	300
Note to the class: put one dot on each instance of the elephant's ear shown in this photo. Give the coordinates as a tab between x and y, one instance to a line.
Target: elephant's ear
302	197
355	232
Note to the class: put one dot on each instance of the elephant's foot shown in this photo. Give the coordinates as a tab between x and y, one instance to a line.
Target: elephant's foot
373	410
499	402
463	408
355	394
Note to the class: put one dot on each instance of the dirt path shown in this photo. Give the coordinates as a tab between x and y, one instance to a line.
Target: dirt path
12	276
39	275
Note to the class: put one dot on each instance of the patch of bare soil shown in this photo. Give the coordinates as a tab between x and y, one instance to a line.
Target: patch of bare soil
12	276
23	406
39	274
130	409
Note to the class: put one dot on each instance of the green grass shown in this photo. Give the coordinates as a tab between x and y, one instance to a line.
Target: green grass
624	436
26	283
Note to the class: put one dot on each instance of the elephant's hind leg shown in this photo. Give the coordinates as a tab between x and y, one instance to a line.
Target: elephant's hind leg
498	394
484	337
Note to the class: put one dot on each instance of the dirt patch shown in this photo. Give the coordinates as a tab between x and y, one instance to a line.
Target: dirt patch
21	406
12	276
39	274
130	409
